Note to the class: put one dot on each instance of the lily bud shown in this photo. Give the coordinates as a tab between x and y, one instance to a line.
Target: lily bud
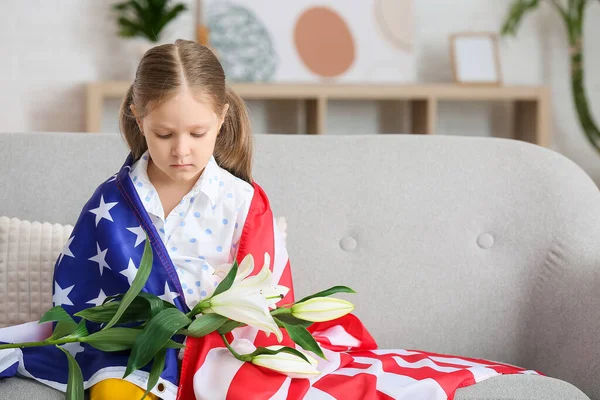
287	364
320	309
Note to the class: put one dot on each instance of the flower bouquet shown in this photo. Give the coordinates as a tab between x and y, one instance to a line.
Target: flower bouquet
147	325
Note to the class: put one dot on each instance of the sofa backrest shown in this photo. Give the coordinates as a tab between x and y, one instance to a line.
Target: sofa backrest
445	239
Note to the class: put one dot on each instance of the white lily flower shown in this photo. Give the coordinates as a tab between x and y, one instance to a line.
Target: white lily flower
244	268
320	309
245	300
287	363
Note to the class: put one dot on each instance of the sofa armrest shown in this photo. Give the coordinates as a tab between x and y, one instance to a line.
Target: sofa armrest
564	328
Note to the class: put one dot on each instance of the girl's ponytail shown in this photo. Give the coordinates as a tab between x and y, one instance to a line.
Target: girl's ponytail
129	127
234	146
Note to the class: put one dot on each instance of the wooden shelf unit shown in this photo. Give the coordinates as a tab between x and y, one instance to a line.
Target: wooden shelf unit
531	103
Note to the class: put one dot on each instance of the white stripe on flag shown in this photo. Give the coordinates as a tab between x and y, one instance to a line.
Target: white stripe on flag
460	361
317	394
482	373
282	393
338	336
213	378
423	363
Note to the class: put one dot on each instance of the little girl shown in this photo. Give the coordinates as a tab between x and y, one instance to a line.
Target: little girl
190	137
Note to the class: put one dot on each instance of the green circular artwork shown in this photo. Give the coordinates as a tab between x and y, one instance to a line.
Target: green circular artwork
242	42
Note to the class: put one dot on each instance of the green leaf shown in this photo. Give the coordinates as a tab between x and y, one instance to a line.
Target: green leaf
136	286
291	320
303	338
262	350
205	324
157	368
80	331
154	336
229	326
518	9
75	380
138	310
328	292
118	339
156	303
226	283
65	324
56	314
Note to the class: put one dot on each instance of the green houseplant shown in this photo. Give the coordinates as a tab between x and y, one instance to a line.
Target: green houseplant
572	13
145	18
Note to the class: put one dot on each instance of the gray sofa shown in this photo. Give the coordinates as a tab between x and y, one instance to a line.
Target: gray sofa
480	247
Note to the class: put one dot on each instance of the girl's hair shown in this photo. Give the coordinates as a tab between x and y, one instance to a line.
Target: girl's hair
167	68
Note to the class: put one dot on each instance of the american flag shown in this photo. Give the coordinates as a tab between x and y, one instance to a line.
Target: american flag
101	259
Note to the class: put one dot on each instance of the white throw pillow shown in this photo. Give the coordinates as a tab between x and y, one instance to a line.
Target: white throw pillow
28	252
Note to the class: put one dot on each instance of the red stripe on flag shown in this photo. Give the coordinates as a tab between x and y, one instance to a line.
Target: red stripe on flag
257	235
254	382
298	388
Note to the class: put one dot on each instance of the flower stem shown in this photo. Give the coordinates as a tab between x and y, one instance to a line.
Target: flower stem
38	344
281	310
198	308
240	357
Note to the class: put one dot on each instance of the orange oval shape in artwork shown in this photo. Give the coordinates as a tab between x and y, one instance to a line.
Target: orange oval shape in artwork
324	42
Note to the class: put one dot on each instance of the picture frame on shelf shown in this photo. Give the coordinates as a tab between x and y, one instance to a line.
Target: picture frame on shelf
475	58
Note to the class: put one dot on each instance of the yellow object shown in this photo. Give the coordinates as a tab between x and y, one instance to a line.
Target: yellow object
117	389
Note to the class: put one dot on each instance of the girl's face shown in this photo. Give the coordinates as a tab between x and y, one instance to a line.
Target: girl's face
181	135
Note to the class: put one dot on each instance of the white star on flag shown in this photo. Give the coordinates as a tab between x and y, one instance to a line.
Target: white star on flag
140	233
61	296
74	348
103	210
168	296
98	300
100	258
66	250
130	272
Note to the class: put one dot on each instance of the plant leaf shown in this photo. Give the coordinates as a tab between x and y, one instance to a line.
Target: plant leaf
517	11
303	338
80	331
156	303
328	292
291	320
136	286
158	367
226	283
56	314
118	339
65	324
154	336
205	324
285	349
229	326
75	380
138	310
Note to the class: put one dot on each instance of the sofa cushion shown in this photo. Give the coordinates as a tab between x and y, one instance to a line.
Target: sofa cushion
520	387
28	251
505	387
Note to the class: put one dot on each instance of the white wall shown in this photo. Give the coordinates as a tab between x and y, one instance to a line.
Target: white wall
51	48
